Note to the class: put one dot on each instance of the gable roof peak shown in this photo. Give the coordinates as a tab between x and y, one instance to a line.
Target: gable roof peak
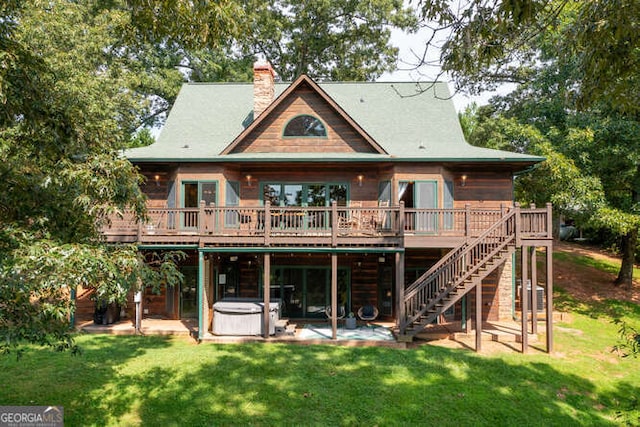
301	80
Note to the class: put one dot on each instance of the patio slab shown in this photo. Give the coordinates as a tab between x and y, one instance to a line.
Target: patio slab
185	327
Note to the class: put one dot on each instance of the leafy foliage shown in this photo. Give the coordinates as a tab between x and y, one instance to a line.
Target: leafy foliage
489	43
591	173
67	109
629	340
327	39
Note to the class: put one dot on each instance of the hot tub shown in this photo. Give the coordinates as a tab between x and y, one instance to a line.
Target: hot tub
243	317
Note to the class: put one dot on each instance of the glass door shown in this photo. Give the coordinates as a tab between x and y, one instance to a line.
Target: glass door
192	193
420	195
426	197
317	291
305	291
189	293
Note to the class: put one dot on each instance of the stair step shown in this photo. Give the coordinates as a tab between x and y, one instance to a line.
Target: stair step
290	330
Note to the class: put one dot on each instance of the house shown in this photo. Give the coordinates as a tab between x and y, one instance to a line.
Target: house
326	197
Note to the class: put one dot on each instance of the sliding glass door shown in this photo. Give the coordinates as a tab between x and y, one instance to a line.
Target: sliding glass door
311	195
305	291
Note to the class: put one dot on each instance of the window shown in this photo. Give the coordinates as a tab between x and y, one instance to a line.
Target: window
305	126
195	191
280	194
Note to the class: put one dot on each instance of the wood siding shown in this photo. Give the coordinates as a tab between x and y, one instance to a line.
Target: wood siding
341	136
484	189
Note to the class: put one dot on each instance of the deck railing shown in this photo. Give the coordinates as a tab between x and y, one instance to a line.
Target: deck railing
334	220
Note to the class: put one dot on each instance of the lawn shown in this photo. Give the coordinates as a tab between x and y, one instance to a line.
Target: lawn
128	380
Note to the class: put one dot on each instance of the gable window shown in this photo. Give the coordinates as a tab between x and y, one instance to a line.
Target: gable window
305	126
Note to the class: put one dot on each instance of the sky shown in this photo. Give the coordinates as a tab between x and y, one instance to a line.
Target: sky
412	44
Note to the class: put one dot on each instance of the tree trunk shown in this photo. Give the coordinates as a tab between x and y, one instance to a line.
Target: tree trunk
628	249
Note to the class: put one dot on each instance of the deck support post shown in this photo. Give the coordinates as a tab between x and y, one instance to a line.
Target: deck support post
467	313
400	314
266	277
549	293
479	316
549	290
524	297
534	292
334	296
267	223
137	299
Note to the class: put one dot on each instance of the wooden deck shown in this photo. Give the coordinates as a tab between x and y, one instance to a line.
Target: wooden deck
332	226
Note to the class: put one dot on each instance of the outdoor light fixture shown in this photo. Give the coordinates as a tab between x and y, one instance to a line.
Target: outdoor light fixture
360	179
157	179
248	180
463	180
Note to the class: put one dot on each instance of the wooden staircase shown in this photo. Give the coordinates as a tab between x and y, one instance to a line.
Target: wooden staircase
457	273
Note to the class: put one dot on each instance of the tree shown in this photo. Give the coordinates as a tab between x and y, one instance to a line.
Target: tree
337	40
557	180
327	39
484	44
575	64
591	173
69	104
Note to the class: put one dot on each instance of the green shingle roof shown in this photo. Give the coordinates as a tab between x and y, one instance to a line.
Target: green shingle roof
408	125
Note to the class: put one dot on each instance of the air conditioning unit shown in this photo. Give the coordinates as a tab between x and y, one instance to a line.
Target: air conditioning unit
539	296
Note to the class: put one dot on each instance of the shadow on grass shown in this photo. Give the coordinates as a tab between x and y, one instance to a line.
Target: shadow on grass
608	308
326	385
44	377
122	380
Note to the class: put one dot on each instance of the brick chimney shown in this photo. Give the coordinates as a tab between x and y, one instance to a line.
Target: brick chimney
263	86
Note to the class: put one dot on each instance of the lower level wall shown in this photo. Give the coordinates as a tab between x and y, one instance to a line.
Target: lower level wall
371	276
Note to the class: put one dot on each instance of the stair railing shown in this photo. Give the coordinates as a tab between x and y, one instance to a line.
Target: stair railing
456	267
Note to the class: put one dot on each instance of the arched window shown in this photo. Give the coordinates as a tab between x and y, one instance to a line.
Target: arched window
305	126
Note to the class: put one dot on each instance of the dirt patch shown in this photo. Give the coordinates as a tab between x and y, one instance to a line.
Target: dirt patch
587	283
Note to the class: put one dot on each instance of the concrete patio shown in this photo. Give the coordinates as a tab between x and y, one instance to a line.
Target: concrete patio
507	333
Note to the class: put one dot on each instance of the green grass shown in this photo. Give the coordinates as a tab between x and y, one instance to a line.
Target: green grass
159	381
608	266
169	381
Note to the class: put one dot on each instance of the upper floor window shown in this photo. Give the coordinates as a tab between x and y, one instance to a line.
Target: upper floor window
305	126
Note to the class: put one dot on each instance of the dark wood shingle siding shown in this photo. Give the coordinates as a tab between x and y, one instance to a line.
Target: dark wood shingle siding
341	136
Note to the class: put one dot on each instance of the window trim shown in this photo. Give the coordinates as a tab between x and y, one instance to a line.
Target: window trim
199	182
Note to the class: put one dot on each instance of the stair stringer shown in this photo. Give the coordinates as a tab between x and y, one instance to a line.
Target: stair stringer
449	299
455	275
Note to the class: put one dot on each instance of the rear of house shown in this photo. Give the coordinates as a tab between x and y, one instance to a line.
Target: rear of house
323	198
